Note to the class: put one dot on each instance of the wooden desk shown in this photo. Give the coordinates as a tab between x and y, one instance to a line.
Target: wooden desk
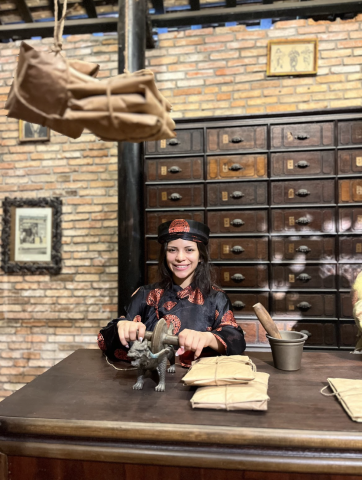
82	420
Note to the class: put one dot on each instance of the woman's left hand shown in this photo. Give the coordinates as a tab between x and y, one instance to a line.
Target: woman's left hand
195	341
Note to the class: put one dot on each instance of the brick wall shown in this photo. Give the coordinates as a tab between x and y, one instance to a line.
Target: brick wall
220	71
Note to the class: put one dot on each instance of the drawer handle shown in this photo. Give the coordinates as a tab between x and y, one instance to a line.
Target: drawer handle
237	194
304	305
236	167
173	142
304	277
238	304
238	277
302	193
303	249
306	333
302	221
175	197
175	169
302	136
237	222
302	164
237	249
236	140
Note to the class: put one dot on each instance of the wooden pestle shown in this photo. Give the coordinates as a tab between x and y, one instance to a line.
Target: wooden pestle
266	320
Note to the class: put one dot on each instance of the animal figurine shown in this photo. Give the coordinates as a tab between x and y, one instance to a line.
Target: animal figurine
145	361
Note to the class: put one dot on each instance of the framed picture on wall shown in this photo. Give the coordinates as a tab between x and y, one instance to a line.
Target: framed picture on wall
292	57
31	132
31	235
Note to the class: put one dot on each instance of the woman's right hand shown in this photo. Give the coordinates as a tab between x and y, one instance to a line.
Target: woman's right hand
127	331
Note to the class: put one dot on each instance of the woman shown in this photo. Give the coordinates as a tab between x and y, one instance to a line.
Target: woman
199	311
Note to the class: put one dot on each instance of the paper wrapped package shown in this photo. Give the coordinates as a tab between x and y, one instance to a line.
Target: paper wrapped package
349	393
220	371
247	396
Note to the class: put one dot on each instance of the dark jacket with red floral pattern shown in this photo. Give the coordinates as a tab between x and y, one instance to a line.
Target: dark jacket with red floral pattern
185	308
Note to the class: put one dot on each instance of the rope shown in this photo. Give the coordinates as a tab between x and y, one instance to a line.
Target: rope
358	392
111	364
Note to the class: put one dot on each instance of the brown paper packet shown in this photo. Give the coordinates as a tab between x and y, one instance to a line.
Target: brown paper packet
349	393
247	396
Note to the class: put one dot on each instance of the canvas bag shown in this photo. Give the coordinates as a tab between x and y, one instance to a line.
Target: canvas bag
220	371
349	393
247	396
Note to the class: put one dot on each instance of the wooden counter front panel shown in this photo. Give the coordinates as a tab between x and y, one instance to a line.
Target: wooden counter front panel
350	220
239	249
303	248
175	169
175	196
187	141
350	191
319	334
349	161
303	191
236	138
345	300
300	276
255	276
302	163
350	133
154	219
243	221
253	193
302	135
237	166
350	249
304	305
348	334
303	220
242	303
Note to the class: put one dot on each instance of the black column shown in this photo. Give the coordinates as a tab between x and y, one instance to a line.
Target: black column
131	54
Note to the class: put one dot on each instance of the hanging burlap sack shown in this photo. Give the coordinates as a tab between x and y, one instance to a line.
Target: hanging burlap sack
248	396
349	393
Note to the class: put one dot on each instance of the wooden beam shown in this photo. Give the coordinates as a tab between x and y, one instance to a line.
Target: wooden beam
24	11
230	3
158	6
194	4
257	12
90	8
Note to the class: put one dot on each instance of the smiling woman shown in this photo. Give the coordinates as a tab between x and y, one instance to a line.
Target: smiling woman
200	312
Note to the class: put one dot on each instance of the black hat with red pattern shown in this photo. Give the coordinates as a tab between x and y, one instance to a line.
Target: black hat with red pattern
185	229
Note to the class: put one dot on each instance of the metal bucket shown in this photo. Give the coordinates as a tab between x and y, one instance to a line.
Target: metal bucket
287	351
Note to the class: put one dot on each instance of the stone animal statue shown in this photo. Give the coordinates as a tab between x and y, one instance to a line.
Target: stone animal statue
145	361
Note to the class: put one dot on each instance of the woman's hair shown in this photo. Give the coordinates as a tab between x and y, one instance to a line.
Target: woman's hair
203	275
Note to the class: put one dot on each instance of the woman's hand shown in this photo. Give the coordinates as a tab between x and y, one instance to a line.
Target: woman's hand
195	341
127	331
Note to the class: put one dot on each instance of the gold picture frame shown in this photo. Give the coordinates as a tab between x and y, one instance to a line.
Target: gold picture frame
32	132
292	57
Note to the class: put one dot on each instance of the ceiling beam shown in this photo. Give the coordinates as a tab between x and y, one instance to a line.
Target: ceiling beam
90	8
257	12
158	6
24	11
194	5
230	3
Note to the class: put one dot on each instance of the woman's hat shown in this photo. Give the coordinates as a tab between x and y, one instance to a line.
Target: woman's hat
185	229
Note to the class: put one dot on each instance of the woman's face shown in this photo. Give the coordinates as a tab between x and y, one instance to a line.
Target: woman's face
182	258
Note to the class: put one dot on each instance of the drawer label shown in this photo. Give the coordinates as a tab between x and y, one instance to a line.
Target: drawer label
225	168
163	170
358	247
225	249
163	144
291	248
226	276
224	196
291	307
290	136
291	221
290	164
227	222
164	195
359	161
225	139
163	220
359	218
291	278
359	190
291	193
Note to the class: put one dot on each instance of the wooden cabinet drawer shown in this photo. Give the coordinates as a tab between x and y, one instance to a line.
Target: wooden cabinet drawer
237	166
152	274
303	191
302	163
350	191
239	248
303	220
319	334
243	303
350	249
300	276
187	141
236	138
348	274
153	249
350	133
255	276
175	169
303	248
349	161
348	334
253	193
154	219
302	135
304	305
350	220
345	300
175	196
245	221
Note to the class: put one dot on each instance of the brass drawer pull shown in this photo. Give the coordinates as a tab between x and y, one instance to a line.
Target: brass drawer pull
302	221
173	142
175	197
175	169
304	305
302	193
238	277
237	249
302	136
237	222
237	194
235	167
306	333
304	277
303	249
238	304
302	164
236	140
